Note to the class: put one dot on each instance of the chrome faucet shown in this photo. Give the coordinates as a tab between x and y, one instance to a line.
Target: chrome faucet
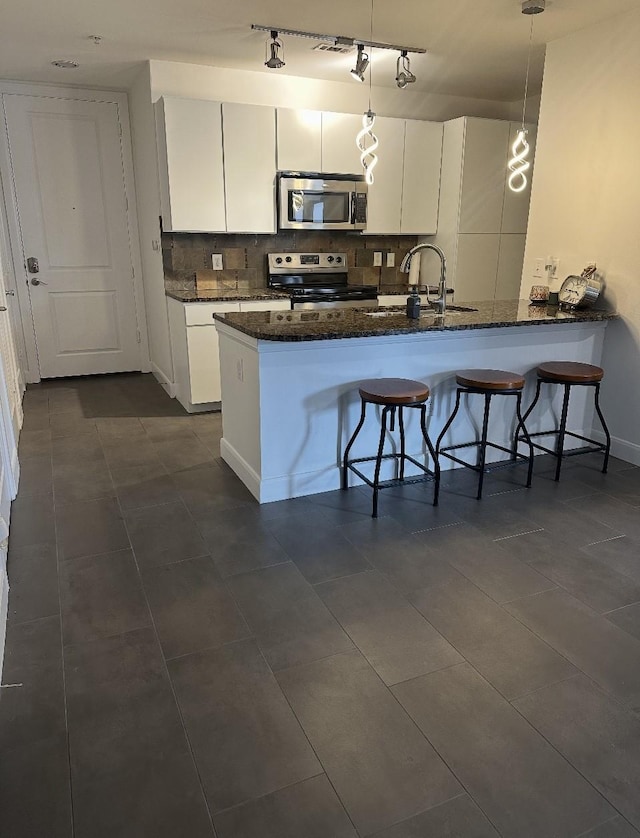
440	303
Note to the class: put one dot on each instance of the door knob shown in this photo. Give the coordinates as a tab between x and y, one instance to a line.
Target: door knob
36	281
3	308
10	293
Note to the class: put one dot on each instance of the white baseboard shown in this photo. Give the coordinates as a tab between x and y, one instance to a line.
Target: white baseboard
621	448
162	379
242	468
4	612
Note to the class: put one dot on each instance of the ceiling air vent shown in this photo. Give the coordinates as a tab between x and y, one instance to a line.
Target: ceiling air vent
343	49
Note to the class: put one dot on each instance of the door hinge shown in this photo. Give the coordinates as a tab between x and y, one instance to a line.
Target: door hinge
138	337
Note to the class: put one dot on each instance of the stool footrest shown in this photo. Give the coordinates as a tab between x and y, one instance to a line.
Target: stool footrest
594	447
396	481
517	458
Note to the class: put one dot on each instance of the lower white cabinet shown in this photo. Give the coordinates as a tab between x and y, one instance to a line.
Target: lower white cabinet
194	342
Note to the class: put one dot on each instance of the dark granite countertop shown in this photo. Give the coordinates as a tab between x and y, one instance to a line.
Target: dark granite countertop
220	296
328	324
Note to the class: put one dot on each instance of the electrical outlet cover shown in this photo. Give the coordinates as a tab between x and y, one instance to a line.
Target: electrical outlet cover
216	261
391	260
377	258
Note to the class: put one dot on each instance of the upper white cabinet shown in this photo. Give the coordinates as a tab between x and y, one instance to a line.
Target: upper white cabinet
384	201
299	140
189	136
421	177
249	133
484	168
340	154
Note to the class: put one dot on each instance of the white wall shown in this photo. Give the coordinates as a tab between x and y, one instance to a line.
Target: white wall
143	139
195	81
585	200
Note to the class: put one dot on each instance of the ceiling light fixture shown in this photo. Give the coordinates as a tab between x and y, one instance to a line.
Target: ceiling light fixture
404	76
519	164
65	64
336	40
366	140
273	48
362	62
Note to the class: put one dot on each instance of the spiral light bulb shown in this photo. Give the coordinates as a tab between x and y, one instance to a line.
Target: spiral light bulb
519	164
367	142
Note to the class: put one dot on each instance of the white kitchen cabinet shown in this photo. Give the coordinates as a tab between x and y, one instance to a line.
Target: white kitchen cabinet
484	170
421	177
510	262
340	154
384	203
194	343
249	134
481	223
189	141
299	140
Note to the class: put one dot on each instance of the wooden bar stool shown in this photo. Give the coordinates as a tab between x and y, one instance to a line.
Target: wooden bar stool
570	374
488	383
393	394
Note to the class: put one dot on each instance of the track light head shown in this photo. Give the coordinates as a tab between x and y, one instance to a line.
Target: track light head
274	61
362	62
404	76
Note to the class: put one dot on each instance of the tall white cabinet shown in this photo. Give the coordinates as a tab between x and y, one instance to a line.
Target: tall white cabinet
482	223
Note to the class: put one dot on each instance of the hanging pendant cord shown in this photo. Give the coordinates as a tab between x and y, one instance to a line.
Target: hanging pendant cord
526	81
371	56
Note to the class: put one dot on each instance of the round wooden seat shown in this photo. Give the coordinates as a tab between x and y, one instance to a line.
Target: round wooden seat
490	380
393	391
570	372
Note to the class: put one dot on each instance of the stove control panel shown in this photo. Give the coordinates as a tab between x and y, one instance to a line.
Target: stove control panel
307	262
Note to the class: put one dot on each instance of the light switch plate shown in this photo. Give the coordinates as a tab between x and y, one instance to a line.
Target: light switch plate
377	258
391	260
538	270
216	261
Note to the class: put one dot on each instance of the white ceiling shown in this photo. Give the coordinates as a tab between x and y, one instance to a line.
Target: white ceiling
475	48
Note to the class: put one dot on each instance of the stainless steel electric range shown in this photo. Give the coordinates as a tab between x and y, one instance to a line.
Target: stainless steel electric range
318	280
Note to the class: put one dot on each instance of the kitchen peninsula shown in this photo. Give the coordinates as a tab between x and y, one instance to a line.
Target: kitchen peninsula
290	380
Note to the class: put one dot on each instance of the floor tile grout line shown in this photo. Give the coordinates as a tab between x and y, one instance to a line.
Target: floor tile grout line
169	680
62	648
304	733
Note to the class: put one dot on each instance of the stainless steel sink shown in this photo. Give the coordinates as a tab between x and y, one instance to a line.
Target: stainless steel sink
424	311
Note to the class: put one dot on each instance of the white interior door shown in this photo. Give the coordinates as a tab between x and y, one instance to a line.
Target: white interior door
68	172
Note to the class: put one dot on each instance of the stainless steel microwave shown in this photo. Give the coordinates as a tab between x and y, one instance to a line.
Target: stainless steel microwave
321	202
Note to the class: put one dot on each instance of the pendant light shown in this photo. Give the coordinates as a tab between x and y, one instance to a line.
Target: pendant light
519	163
366	140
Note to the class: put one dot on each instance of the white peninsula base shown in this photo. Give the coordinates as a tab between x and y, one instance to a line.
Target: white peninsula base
289	407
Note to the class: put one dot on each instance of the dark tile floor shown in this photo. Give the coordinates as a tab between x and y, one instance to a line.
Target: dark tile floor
183	662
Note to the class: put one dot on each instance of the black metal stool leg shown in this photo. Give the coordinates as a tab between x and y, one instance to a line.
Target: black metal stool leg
376	476
345	459
434	456
402	441
482	451
526	436
449	421
605	429
562	429
529	410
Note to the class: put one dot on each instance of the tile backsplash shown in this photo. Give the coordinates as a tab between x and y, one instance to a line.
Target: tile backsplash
187	258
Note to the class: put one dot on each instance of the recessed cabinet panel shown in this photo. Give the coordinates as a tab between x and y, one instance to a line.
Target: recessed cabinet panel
340	154
477	267
385	194
515	213
189	136
485	162
299	140
510	263
421	181
250	167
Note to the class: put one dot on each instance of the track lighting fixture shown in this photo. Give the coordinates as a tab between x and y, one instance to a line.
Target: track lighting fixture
404	76
273	47
362	63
